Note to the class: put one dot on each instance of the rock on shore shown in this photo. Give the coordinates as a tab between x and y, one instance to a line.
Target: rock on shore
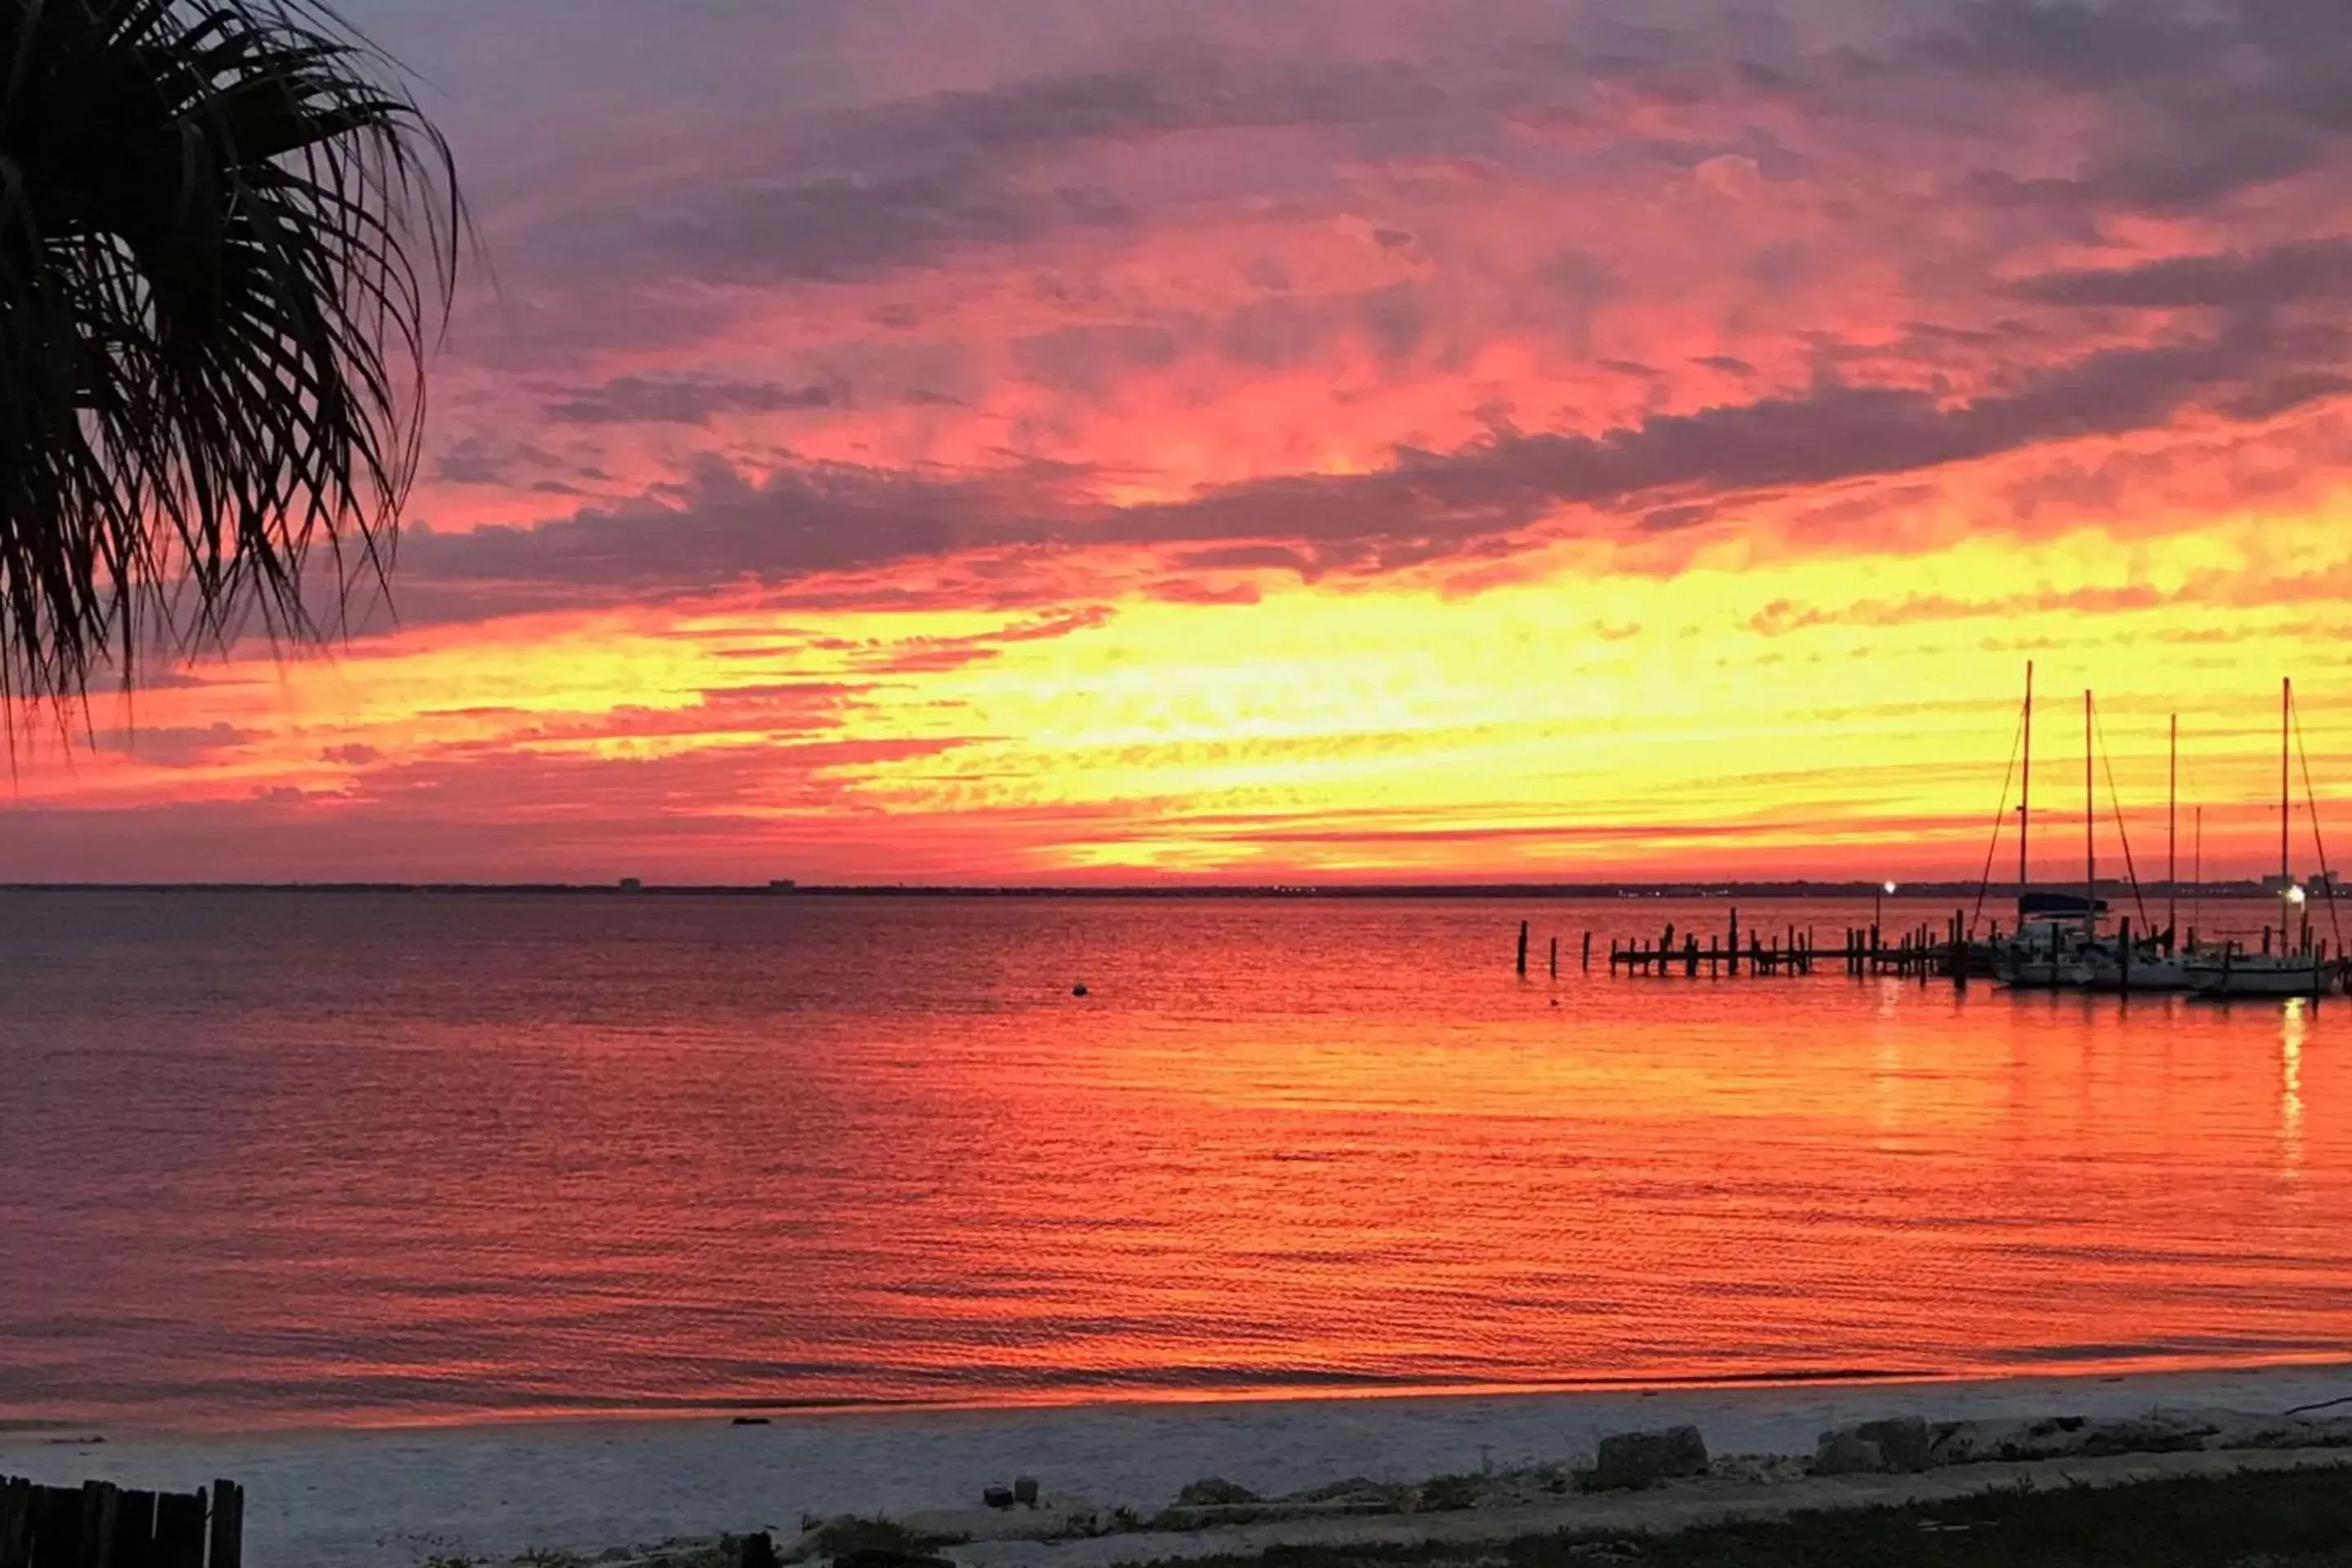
1630	1461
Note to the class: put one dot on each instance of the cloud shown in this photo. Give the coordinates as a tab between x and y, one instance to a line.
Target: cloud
933	655
721	526
484	460
1665	473
2090	47
2308	270
1831	435
1198	89
841	228
860	194
1184	591
684	400
2199	104
1251	558
173	746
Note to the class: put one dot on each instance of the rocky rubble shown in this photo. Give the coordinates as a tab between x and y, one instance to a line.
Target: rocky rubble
1880	1447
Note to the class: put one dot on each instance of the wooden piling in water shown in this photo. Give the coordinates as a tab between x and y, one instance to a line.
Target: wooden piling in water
1555	958
1523	950
1588	950
227	1526
16	1523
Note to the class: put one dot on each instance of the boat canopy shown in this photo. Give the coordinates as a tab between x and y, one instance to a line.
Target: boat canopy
2058	906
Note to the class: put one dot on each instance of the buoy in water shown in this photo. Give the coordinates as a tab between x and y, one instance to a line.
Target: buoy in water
1078	990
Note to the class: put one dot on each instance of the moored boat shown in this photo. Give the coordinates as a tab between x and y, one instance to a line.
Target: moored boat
2141	966
2300	967
2230	973
2053	933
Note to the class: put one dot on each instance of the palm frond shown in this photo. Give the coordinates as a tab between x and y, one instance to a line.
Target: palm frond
229	240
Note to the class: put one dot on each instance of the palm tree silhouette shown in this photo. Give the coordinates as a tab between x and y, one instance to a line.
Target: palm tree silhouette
228	242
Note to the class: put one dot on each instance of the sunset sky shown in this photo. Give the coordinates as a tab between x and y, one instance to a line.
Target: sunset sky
1253	439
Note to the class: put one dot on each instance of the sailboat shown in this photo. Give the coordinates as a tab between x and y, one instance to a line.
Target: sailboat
2126	964
2148	963
2051	928
2229	972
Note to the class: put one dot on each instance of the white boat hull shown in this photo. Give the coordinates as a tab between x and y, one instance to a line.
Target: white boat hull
2042	956
2104	972
2261	976
2033	974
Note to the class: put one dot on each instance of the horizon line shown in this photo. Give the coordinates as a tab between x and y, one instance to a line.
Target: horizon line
1787	887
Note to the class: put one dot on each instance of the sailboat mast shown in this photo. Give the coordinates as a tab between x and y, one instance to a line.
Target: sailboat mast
2090	823
2287	705
2025	796
2198	876
2197	905
2172	836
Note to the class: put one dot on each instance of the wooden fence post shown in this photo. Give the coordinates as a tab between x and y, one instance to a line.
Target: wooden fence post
227	1526
16	1523
134	1529
180	1529
57	1524
98	1506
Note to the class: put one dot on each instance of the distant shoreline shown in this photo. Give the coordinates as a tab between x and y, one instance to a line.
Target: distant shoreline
2248	889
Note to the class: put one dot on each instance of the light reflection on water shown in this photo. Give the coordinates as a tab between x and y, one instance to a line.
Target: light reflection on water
272	1160
2295	1024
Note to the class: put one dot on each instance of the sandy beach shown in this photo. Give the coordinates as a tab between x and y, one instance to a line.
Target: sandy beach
369	1499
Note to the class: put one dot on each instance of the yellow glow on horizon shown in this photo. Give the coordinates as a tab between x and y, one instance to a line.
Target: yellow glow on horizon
1752	708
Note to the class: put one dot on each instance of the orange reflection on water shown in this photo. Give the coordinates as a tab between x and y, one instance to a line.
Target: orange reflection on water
443	1158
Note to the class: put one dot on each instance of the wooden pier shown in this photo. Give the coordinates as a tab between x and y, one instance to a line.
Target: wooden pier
1920	953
